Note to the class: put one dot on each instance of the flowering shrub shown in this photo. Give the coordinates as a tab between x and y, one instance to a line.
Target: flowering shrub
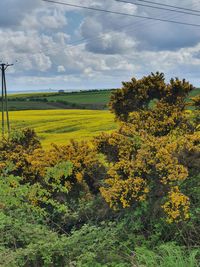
67	174
138	95
149	155
151	173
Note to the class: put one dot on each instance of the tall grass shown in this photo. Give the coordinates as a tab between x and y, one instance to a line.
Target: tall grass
167	255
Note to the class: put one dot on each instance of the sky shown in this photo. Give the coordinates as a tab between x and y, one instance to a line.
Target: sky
59	47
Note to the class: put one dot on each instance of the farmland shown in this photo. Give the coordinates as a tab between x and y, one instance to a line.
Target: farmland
59	117
92	100
96	100
59	126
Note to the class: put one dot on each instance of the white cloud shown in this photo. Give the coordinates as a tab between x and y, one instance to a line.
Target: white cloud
61	69
43	19
115	48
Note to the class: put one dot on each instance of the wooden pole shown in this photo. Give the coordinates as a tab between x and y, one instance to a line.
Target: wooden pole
4	99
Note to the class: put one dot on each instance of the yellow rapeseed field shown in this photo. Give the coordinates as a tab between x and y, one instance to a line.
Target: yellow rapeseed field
59	126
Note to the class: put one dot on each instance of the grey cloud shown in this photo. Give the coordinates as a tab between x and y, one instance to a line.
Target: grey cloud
165	36
12	12
150	35
111	43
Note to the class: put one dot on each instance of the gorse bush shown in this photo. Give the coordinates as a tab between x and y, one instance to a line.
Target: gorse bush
150	171
65	179
33	164
149	155
138	95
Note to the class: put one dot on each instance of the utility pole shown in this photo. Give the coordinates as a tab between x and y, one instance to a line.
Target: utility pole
4	98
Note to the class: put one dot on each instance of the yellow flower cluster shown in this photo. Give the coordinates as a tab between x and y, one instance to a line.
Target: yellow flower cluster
177	206
144	165
123	192
160	121
122	187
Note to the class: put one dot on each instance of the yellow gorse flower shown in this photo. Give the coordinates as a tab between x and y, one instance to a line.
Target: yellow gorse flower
177	206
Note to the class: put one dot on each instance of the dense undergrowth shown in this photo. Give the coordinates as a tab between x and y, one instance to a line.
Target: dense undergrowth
130	198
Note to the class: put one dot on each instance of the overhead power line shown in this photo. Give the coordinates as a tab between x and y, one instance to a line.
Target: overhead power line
121	13
166	5
131	27
158	7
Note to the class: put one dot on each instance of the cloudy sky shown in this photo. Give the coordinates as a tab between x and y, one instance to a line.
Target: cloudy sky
55	46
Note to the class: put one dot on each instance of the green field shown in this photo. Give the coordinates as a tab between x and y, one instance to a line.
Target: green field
59	126
30	105
95	100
